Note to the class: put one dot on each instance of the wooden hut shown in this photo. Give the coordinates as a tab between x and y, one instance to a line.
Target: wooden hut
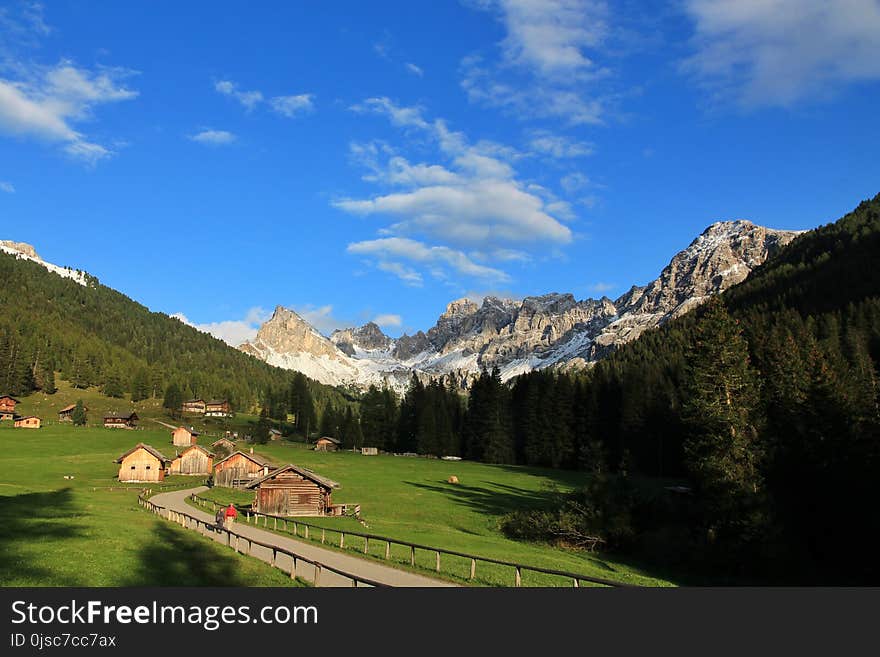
327	444
183	437
66	413
194	460
239	469
142	463
194	406
224	443
7	407
117	421
28	422
274	434
293	491
218	408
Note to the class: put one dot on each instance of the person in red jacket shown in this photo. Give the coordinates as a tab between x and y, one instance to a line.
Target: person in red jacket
231	513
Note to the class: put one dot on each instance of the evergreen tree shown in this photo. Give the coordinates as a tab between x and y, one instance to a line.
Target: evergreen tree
79	414
261	433
173	399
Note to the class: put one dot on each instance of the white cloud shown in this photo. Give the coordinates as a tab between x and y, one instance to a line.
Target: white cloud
291	106
558	146
47	101
321	318
777	53
389	249
7	187
544	68
248	99
387	320
574	182
213	137
406	274
475	201
602	288
415	70
233	332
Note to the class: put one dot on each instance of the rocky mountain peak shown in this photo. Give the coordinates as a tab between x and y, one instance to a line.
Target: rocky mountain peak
286	331
368	337
460	307
20	247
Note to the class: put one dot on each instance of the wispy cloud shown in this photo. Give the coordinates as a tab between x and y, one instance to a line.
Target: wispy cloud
7	187
321	318
601	287
558	146
212	137
781	52
234	331
248	99
45	103
388	320
415	70
543	66
289	106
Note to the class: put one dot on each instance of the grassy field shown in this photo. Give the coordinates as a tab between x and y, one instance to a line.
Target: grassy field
409	499
59	532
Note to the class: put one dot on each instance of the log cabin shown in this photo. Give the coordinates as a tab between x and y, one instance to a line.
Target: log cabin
194	406
183	437
293	491
142	463
117	421
327	444
28	422
194	460
7	407
239	469
66	413
218	408
224	443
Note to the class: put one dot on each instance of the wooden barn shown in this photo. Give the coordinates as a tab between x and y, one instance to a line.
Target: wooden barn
66	413
293	491
194	460
224	443
28	422
118	421
142	463
183	437
194	406
7	407
218	408
239	469
327	444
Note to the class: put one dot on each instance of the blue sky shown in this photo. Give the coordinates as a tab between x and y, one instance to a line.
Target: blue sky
358	161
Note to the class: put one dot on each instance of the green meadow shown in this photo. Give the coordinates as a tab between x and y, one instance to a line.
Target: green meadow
78	532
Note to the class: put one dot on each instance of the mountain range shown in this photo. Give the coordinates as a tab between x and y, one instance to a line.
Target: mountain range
518	336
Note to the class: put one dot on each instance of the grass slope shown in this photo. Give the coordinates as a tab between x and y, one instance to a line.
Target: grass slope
59	532
409	499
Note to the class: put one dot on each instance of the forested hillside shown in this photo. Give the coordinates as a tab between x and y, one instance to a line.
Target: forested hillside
95	336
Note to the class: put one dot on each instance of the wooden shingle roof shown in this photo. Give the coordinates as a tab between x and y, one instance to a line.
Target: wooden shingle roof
304	472
198	447
256	458
152	450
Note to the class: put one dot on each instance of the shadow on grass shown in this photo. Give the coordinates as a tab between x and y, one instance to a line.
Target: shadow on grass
176	558
498	500
30	521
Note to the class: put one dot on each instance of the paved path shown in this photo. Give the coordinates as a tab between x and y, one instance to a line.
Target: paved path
176	501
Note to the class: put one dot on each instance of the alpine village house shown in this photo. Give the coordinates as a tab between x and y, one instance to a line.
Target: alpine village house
213	408
294	491
142	463
194	460
239	469
7	407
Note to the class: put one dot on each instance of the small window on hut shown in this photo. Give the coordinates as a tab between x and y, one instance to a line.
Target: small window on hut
148	467
132	467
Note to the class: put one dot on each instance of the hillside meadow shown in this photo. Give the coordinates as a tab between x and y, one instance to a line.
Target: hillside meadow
77	532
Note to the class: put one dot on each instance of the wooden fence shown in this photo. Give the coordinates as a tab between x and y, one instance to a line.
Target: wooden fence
237	542
282	524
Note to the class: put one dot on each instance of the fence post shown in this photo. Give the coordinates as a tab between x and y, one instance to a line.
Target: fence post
322	535
518	576
575	583
285	525
307	531
366	544
275	523
473	568
412	555
293	567
342	539
438	561
295	529
317	573
274	556
387	550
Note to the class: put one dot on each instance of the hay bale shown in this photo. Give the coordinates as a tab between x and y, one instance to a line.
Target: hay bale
452	479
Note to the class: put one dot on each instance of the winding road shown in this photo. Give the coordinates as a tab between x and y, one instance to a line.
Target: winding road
176	501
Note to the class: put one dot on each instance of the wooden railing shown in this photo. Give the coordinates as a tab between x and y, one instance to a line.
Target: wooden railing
282	524
191	522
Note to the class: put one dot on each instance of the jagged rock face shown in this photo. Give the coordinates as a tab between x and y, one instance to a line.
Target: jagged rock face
287	332
368	337
552	330
20	247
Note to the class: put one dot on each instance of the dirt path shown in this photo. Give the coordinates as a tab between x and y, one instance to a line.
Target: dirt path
176	501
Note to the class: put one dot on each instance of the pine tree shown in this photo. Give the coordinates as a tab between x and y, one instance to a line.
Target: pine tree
261	433
79	414
173	399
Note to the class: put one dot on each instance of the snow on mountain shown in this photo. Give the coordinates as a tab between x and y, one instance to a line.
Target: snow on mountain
551	330
24	251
